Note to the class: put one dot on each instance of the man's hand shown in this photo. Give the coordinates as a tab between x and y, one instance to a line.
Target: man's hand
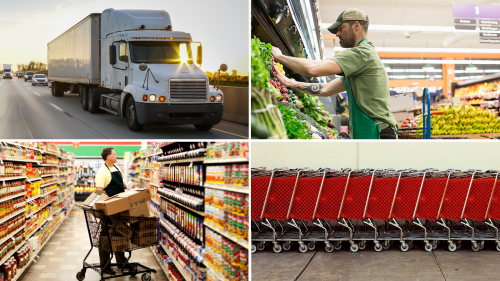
282	78
276	52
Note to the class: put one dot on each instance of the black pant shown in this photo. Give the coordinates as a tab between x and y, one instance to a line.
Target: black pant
104	257
388	133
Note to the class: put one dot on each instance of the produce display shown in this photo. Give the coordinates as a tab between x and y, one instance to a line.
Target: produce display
484	95
463	120
303	116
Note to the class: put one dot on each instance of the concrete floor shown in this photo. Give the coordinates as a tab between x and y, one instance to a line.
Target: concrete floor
392	264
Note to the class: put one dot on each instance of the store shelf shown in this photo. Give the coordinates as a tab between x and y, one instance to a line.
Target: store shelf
18	212
156	202
24	146
49	152
143	178
13	178
200	213
177	264
188	160
158	153
18	160
241	241
11	197
50	175
47	165
8	255
34	254
153	184
12	235
237	159
49	183
158	260
59	192
229	187
40	195
41	208
211	268
34	179
192	237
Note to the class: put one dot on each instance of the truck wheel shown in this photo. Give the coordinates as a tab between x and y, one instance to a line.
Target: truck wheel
58	89
203	127
93	101
133	123
85	100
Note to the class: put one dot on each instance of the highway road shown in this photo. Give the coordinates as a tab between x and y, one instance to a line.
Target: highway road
28	112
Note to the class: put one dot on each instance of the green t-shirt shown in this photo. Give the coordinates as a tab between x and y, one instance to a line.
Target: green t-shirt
368	80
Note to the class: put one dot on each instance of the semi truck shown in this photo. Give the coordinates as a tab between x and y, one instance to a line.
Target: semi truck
131	63
7	71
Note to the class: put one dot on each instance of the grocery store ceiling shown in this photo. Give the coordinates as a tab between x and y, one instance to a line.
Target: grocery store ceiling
436	13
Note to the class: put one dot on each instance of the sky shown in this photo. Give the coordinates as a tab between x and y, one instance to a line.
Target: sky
222	26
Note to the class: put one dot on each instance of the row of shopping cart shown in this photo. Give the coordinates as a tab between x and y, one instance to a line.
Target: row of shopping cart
384	206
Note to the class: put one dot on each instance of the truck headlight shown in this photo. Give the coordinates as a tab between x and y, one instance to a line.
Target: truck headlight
219	97
152	97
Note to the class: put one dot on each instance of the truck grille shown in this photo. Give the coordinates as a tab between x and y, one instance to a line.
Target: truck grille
188	90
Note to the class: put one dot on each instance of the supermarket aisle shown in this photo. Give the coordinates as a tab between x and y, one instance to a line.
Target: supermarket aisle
63	256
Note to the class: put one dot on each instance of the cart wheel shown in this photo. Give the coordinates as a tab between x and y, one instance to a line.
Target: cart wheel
452	247
338	246
435	244
329	248
498	247
428	247
362	247
277	248
387	244
311	246
261	246
354	248
146	277
405	247
475	247
80	275
287	245
481	245
303	248
254	248
378	247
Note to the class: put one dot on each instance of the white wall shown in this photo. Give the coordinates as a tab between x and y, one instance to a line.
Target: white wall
463	155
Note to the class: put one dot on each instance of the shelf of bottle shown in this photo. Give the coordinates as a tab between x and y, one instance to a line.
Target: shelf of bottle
40	195
41	208
233	159
229	187
200	213
187	160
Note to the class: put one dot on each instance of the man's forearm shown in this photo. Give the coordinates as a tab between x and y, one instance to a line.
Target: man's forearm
299	65
319	89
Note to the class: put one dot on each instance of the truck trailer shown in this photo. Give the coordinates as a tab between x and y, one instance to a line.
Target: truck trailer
7	71
131	63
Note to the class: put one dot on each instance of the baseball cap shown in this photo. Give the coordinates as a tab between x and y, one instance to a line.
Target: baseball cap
349	14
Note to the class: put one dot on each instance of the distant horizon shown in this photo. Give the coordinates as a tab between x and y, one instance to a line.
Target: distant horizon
209	22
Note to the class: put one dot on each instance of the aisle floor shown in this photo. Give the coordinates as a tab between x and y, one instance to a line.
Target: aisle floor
392	264
63	256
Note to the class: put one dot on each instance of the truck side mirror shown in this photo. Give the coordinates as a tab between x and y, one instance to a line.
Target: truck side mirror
199	55
112	54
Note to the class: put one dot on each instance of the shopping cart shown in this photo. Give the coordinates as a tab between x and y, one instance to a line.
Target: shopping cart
302	205
261	179
327	208
493	211
384	186
119	234
423	132
476	207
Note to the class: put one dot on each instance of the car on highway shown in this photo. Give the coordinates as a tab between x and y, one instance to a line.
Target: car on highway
28	76
39	79
20	75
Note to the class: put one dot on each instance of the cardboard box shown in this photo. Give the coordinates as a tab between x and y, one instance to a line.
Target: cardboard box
402	102
95	197
118	243
144	237
121	228
112	205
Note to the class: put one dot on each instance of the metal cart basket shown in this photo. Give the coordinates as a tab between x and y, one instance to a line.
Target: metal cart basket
118	233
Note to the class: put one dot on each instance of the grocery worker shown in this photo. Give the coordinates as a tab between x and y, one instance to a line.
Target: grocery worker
365	79
109	179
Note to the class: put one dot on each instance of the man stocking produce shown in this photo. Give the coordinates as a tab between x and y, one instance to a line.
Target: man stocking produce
365	79
109	179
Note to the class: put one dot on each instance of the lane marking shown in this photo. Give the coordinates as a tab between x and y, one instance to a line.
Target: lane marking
37	94
230	133
57	107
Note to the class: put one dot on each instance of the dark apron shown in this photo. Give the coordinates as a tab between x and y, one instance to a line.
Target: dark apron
361	125
116	184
